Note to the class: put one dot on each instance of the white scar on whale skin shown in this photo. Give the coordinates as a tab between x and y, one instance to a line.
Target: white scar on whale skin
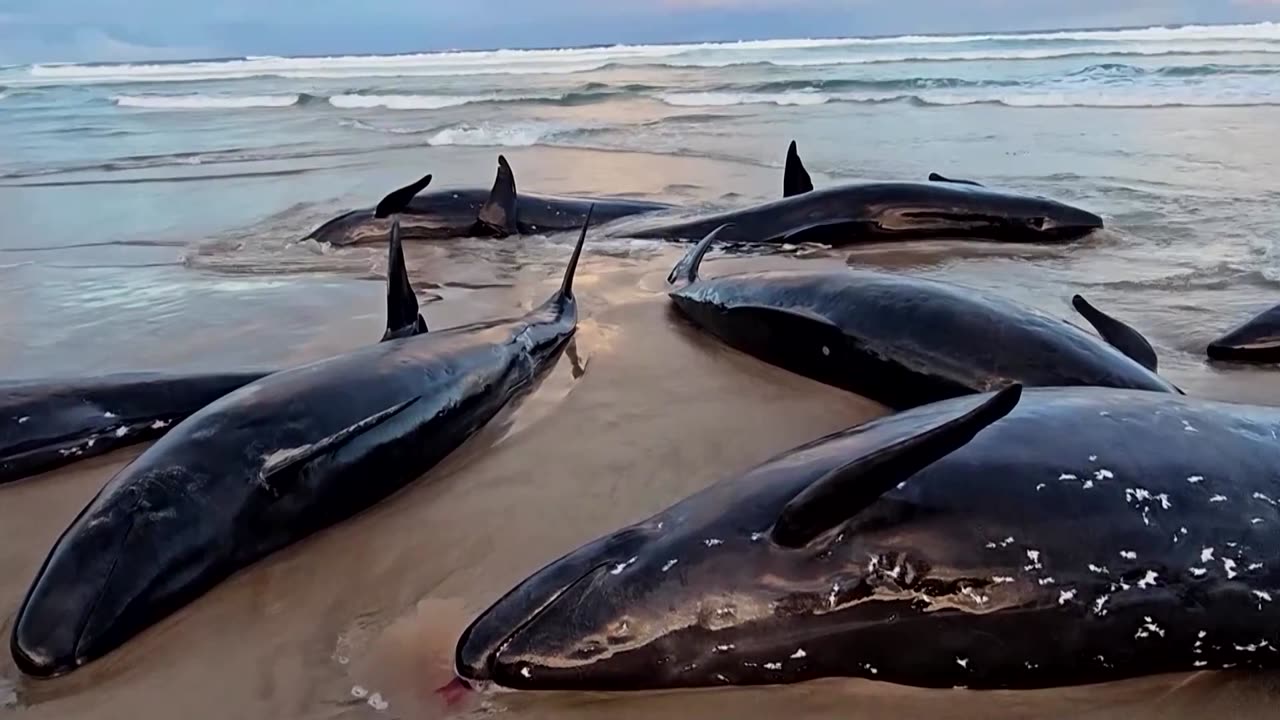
1230	566
23	419
670	564
799	654
1149	580
1195	479
1103	474
963	662
1206	555
1128	555
1034	557
712	542
1218	499
617	569
1066	595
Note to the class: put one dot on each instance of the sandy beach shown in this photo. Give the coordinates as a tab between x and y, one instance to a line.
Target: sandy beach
154	251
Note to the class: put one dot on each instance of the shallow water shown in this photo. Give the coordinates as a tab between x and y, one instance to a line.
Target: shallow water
177	256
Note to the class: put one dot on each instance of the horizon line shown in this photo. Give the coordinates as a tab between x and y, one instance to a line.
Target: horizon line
670	43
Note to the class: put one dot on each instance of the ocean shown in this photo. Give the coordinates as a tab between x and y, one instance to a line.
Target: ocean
152	216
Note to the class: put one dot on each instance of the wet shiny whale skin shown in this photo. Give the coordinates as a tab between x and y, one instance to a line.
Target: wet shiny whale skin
1089	535
857	213
48	423
900	340
269	464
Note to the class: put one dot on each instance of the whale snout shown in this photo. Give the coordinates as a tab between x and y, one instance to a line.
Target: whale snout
481	651
104	580
60	625
1069	222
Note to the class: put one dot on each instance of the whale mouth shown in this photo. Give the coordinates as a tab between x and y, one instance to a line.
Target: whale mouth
487	668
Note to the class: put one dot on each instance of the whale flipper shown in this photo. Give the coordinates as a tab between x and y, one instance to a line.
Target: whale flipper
398	200
686	271
795	179
935	177
499	212
850	488
403	319
1118	334
288	462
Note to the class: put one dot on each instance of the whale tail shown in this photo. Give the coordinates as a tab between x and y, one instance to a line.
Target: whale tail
1119	335
795	179
686	271
396	202
847	490
935	177
403	319
498	215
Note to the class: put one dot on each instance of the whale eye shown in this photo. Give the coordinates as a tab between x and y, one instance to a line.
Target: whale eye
1036	222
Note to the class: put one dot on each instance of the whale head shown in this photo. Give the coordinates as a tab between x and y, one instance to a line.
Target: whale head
1257	340
114	568
790	572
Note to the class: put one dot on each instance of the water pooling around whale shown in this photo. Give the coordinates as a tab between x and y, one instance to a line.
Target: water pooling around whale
900	340
1024	539
273	462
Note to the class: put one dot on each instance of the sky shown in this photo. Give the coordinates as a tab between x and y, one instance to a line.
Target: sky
116	30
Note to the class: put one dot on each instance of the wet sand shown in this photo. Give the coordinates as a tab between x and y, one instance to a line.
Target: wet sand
359	620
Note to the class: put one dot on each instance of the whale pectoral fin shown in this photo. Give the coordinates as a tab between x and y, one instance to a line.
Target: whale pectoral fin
499	212
686	271
403	319
850	488
935	177
795	179
396	202
1119	335
284	463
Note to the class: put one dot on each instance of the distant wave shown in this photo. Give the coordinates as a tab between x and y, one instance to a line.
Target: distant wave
721	99
429	102
1261	38
208	102
1043	99
179	159
523	134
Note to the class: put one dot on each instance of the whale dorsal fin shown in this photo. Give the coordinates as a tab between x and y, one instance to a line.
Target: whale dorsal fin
795	179
286	462
850	488
566	285
935	177
1117	334
398	200
499	211
403	319
686	271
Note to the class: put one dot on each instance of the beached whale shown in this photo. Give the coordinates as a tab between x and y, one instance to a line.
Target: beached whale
942	209
1257	340
273	462
1023	539
45	424
900	340
474	212
885	211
